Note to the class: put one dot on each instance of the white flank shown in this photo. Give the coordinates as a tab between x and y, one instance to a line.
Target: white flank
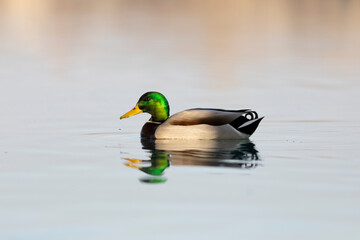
199	131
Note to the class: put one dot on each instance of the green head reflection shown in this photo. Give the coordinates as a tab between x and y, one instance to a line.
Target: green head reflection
158	163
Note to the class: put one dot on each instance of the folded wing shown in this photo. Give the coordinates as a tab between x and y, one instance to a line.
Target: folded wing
214	117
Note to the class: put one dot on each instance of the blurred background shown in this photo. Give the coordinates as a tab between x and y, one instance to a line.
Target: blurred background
70	69
99	47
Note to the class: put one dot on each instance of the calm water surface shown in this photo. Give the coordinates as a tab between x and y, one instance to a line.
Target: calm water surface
70	169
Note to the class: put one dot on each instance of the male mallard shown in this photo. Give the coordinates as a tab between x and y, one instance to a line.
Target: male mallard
197	123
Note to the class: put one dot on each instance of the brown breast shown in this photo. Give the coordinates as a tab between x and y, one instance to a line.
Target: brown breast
148	130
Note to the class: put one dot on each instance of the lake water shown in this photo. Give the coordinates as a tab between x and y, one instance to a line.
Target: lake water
70	169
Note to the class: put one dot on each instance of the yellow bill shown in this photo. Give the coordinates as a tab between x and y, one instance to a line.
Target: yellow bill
132	112
133	160
131	165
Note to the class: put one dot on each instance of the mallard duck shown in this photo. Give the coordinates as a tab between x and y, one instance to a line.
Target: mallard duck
196	123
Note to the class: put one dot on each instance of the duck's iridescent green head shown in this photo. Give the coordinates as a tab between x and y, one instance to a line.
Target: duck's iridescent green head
151	102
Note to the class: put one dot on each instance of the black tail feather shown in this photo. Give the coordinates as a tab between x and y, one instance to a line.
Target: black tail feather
245	125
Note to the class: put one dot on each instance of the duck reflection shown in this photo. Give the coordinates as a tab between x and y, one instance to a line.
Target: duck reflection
224	153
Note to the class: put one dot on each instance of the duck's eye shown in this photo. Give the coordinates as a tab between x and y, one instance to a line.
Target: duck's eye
147	99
